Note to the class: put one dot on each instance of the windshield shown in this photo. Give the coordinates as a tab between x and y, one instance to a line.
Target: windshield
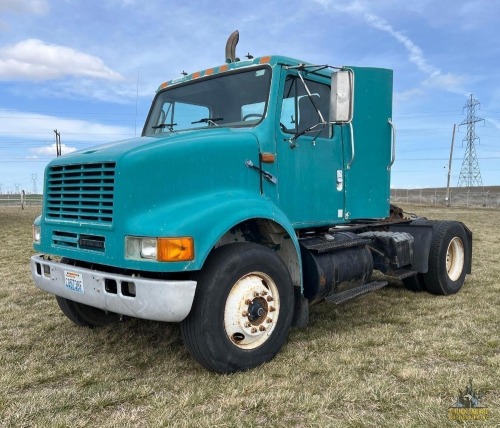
227	100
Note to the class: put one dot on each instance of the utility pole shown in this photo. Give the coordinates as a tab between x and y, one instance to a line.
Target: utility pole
448	202
470	175
16	185
58	143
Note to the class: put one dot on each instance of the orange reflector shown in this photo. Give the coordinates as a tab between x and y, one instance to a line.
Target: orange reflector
267	157
196	75
175	249
223	68
163	85
265	59
209	72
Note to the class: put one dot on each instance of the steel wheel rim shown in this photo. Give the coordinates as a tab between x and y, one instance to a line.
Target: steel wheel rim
455	258
252	310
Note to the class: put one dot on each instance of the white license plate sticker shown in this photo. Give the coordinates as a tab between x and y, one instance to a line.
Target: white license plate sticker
74	281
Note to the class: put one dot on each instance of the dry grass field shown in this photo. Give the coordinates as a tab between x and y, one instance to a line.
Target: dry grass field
392	358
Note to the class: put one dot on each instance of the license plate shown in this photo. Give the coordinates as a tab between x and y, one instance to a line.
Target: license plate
74	281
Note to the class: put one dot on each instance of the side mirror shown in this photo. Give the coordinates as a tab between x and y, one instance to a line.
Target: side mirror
341	97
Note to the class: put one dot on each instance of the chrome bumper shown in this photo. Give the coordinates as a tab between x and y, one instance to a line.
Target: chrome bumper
137	297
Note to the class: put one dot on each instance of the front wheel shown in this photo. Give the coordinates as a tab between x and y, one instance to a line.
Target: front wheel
242	311
84	315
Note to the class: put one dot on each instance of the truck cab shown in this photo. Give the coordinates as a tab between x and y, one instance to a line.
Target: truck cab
257	188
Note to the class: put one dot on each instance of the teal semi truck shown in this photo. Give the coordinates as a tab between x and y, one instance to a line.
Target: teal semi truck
257	188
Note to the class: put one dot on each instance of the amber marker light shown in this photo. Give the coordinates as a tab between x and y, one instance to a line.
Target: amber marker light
267	157
265	60
175	249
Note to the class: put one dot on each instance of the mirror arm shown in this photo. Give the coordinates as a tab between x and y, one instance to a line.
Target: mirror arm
311	97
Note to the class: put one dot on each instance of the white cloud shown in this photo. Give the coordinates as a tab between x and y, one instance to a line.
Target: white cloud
25	125
34	59
436	78
50	150
38	7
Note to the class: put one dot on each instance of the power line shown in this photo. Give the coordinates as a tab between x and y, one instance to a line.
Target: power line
33	178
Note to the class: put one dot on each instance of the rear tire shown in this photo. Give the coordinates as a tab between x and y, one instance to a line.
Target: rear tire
242	310
448	256
84	315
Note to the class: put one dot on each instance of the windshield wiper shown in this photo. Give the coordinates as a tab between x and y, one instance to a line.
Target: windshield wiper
170	126
208	120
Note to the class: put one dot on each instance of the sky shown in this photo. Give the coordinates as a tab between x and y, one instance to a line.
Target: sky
89	69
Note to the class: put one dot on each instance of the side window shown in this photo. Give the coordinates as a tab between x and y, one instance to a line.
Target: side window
299	111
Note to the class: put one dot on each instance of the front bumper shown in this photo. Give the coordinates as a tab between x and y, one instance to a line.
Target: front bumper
137	297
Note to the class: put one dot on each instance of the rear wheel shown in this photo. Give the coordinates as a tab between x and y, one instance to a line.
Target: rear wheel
242	310
448	255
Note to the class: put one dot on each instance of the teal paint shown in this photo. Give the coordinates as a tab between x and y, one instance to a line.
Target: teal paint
195	182
367	182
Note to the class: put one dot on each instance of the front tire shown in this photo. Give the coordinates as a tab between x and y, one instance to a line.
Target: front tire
84	315
242	311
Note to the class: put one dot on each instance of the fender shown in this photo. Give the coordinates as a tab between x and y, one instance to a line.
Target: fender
206	219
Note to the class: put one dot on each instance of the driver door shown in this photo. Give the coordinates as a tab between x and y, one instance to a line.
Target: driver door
310	161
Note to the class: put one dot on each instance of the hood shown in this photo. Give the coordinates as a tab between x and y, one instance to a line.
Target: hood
116	150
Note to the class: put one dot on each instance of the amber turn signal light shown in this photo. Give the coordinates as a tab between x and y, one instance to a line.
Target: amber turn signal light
175	249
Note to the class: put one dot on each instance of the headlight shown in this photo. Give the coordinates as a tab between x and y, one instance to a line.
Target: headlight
160	249
148	248
37	231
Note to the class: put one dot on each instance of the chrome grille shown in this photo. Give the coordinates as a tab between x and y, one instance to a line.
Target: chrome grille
82	192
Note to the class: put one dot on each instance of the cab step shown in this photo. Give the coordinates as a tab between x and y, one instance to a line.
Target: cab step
346	295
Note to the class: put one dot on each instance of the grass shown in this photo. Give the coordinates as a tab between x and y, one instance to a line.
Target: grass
391	358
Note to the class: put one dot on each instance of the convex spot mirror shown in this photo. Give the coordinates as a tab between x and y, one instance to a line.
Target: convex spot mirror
341	97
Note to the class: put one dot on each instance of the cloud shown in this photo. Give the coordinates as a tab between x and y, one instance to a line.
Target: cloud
37	7
436	78
26	125
34	59
50	150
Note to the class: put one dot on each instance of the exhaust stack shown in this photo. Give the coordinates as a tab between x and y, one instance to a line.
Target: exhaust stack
231	43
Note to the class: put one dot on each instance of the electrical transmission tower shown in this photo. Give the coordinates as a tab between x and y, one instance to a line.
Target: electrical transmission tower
470	175
33	178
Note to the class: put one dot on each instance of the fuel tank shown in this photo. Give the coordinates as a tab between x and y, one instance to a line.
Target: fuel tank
334	263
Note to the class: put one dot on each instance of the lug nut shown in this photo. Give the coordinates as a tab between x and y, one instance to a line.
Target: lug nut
262	328
255	294
272	309
269	320
244	314
269	299
247	325
254	330
248	302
